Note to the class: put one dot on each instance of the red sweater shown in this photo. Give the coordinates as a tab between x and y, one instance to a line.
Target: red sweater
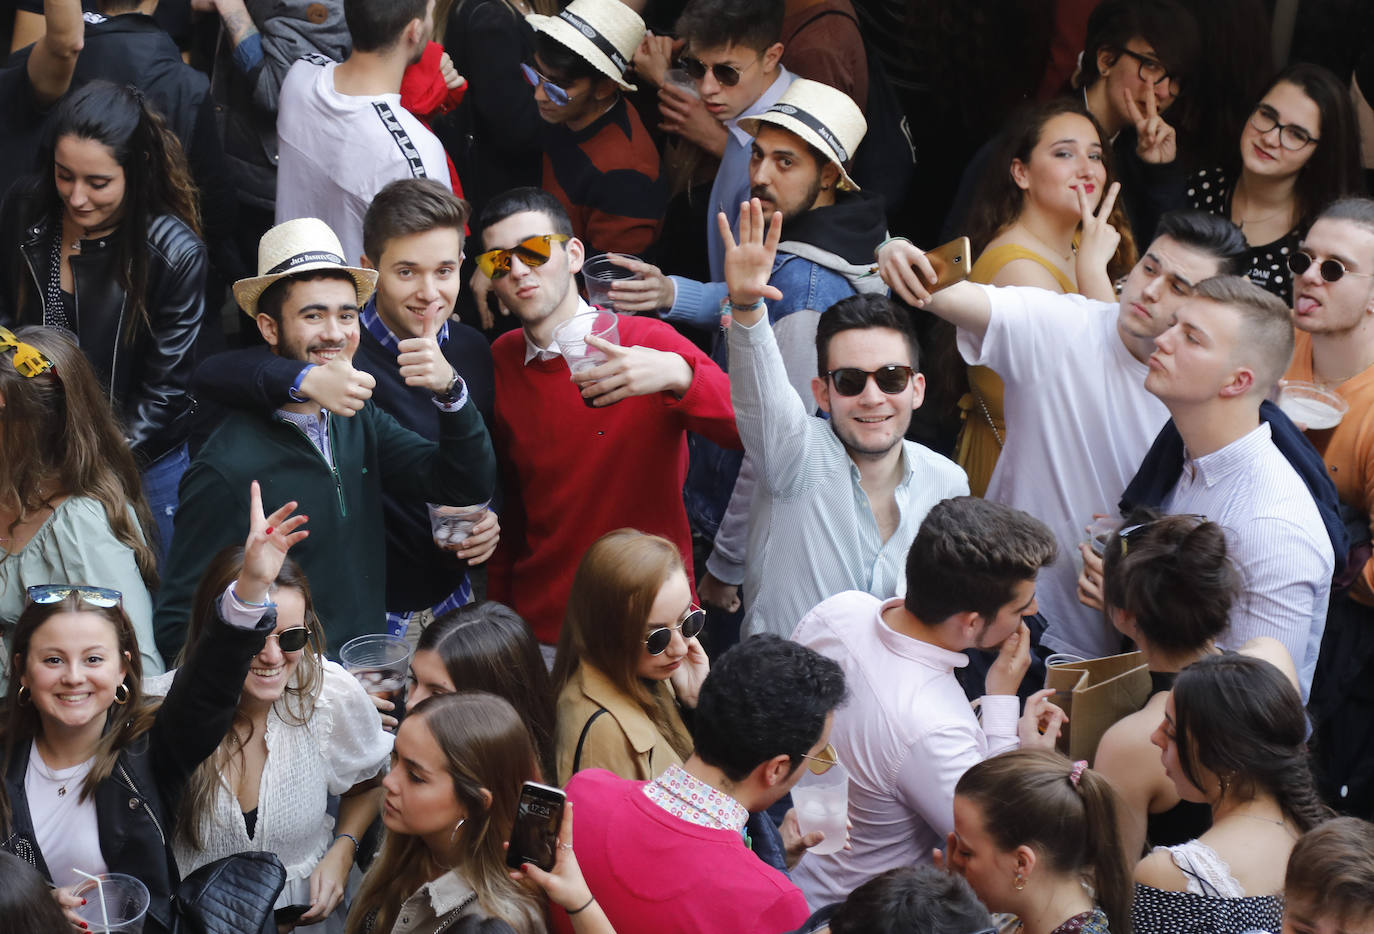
572	473
651	871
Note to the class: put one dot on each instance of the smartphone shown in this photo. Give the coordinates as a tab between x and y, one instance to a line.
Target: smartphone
534	838
951	263
289	914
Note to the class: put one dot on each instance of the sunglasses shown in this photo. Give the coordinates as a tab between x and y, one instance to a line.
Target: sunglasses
1125	535
823	763
727	76
690	626
850	381
91	596
557	95
291	640
28	360
1331	269
533	252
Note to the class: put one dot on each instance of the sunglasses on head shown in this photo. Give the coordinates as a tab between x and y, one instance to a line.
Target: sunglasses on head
91	596
533	251
822	763
850	381
291	640
28	360
1125	535
727	76
557	95
691	624
1331	269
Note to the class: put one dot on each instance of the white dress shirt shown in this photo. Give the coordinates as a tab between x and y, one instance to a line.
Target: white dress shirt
1276	538
906	734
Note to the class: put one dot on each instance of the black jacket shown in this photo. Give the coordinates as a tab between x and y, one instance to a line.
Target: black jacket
136	804
146	377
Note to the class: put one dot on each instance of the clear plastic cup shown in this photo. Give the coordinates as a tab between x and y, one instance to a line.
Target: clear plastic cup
572	334
678	78
450	525
599	274
1313	407
822	803
116	903
381	663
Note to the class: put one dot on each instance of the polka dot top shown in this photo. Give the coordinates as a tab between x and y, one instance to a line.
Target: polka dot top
1210	190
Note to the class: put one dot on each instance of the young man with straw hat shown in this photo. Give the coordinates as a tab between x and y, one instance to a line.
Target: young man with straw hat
306	302
598	157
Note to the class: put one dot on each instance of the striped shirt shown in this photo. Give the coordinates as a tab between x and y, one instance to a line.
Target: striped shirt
1276	538
812	532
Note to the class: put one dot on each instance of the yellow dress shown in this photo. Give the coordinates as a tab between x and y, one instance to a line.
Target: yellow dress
980	440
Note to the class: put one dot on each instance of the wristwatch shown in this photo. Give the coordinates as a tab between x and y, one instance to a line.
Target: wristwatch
449	395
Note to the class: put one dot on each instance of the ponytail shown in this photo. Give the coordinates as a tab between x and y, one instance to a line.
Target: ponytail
1111	871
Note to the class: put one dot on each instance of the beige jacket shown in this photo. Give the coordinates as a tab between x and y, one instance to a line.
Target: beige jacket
623	740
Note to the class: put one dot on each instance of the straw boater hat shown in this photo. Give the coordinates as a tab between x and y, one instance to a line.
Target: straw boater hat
604	32
297	246
823	116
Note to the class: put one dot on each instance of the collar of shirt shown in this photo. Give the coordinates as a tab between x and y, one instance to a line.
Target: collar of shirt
689	798
447	893
926	653
1234	458
534	352
373	322
908	466
765	100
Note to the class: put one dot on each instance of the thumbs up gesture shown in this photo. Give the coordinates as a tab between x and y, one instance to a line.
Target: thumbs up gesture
338	387
421	361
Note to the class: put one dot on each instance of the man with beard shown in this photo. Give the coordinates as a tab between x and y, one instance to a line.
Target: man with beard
838	502
342	133
305	301
797	167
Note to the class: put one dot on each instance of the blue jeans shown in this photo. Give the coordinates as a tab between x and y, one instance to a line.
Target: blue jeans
160	482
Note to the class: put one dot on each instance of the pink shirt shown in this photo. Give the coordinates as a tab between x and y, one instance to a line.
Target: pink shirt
906	735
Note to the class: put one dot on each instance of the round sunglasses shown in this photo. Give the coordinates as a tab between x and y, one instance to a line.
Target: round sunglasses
691	624
850	380
1331	270
726	75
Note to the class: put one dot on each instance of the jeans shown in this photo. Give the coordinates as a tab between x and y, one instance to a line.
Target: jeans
160	483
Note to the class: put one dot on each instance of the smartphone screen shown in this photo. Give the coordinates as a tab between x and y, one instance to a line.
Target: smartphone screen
534	838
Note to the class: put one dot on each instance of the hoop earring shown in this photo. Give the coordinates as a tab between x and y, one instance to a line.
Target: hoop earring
23	695
125	698
1019	883
454	835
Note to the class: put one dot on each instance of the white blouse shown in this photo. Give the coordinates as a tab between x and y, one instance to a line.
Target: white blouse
342	744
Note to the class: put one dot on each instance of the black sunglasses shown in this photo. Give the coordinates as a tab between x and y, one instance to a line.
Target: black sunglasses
727	75
691	624
1331	269
291	640
850	380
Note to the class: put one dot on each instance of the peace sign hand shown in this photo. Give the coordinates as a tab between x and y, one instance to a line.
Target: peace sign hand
1156	141
264	552
1098	239
421	361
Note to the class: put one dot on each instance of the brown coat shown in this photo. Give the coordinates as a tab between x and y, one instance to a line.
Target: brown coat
623	740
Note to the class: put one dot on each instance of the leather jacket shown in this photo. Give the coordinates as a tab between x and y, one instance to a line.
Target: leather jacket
146	376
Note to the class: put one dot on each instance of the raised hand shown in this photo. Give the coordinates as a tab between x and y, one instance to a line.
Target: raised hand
650	292
1156	141
654	57
264	552
906	271
338	386
632	371
749	263
1098	239
685	115
421	361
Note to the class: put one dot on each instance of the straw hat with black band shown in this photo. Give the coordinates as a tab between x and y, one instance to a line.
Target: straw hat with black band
604	32
296	246
826	118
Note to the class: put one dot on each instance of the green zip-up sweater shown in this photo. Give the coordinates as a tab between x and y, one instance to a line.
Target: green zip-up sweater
344	557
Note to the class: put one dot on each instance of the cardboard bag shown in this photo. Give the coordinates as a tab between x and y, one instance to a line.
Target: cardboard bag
1095	694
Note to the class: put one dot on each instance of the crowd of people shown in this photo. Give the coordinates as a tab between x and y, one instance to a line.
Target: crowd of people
602	359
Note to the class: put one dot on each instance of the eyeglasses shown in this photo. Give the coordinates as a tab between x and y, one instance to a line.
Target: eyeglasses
291	640
691	624
557	95
1291	136
533	251
1153	71
28	360
92	596
726	75
1331	269
850	381
823	763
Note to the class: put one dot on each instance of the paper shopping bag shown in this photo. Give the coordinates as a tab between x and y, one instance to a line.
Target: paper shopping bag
1096	693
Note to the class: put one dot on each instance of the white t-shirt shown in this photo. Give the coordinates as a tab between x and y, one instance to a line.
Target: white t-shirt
338	150
1079	422
65	826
